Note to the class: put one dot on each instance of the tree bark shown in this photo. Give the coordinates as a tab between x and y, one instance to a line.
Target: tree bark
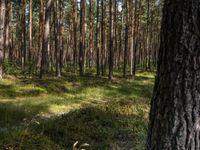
2	22
103	36
46	38
41	31
7	44
30	29
111	40
60	37
74	15
91	34
175	106
97	40
82	36
23	33
126	38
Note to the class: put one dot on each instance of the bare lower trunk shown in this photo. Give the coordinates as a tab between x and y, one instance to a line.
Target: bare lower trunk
175	106
2	22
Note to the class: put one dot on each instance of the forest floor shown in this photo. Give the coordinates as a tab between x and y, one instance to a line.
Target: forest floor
52	114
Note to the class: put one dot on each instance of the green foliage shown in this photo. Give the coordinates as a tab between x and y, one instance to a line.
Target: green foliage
11	67
15	67
54	113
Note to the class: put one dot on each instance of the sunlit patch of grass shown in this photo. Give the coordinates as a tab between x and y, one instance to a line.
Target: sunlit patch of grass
95	111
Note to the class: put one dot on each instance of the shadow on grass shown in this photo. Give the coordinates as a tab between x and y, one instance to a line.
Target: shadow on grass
114	125
13	115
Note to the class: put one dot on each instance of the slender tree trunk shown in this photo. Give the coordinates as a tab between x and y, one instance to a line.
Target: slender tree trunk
74	7
147	38
175	106
136	34
23	32
121	36
103	36
41	31
9	30
116	33
2	23
7	46
56	36
30	32
111	40
61	30
132	35
46	39
126	39
97	40
82	36
91	34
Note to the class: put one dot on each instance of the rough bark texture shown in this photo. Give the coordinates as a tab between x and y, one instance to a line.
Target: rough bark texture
174	117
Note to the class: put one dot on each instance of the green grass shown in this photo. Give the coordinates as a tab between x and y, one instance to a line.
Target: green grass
55	113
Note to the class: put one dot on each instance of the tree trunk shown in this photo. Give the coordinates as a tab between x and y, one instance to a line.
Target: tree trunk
74	15
111	40
82	36
103	36
30	30
23	33
61	31
9	30
2	22
147	38
175	106
41	31
97	40
45	45
116	33
91	34
126	39
7	46
56	36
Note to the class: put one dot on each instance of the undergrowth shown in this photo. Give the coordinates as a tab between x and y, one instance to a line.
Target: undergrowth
54	113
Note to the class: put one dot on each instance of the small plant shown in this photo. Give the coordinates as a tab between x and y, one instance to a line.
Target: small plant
81	147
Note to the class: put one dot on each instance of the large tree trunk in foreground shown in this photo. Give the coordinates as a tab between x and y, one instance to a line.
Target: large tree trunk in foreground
174	117
2	21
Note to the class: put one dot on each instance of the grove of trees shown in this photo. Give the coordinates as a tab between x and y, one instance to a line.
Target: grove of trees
51	36
113	38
